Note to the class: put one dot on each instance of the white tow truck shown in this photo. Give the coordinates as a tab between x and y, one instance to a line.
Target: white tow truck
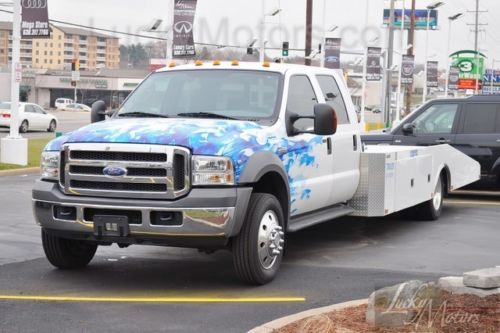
229	155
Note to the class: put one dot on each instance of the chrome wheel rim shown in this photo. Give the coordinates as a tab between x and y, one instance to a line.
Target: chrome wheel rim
271	239
52	126
438	195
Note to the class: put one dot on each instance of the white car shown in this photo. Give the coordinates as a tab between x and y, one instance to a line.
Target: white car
31	117
76	107
62	102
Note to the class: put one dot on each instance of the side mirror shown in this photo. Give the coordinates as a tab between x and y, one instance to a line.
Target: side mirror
98	112
325	120
408	129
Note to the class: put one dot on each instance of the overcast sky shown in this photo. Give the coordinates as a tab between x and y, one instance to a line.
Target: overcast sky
236	21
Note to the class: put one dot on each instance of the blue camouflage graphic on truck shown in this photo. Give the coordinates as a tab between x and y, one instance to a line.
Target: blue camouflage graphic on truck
238	140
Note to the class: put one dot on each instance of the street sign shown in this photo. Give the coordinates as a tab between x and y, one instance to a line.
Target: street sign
491	82
453	78
75	76
432	74
408	69
19	72
35	19
332	52
471	67
420	19
373	64
183	39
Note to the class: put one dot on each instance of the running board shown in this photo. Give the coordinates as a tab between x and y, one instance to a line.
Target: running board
317	217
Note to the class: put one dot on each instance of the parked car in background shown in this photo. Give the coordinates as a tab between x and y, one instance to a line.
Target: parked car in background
472	125
31	117
76	107
62	102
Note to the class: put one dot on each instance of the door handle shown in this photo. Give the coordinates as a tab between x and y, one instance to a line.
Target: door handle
329	145
443	141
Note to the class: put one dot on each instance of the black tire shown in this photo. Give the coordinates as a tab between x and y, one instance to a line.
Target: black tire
52	126
247	246
24	128
431	210
67	253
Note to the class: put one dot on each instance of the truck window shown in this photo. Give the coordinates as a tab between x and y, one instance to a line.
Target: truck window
480	119
301	100
437	119
333	97
237	94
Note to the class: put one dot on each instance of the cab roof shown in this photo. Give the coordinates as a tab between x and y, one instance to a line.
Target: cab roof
266	67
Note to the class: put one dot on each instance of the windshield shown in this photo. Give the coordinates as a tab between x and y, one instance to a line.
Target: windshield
231	94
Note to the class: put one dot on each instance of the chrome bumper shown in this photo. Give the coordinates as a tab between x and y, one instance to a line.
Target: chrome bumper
205	212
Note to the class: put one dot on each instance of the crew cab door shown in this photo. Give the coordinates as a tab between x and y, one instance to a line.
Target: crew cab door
434	125
346	147
308	160
479	135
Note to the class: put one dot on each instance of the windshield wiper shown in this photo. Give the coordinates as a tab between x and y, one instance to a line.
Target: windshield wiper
205	115
140	114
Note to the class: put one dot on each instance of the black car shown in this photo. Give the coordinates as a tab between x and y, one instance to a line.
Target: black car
472	125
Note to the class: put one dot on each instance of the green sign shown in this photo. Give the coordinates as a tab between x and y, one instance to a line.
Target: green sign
471	67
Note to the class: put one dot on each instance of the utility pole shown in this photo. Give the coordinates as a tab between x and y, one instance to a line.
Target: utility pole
476	31
309	18
390	58
411	42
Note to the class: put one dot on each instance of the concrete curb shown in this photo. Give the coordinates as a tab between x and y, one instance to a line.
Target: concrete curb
18	172
271	326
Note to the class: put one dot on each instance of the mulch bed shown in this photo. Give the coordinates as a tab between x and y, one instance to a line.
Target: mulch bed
460	313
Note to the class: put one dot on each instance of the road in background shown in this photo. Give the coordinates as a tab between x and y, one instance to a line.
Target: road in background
338	261
67	122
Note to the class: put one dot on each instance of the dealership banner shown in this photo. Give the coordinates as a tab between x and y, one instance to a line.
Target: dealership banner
183	41
332	53
407	69
491	82
373	64
453	78
35	19
432	74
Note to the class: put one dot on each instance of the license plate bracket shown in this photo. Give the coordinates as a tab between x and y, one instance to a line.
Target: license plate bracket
111	226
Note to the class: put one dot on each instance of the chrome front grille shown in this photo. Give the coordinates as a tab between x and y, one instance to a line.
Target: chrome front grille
152	172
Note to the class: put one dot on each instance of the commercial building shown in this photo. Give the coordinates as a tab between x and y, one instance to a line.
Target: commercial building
93	50
43	87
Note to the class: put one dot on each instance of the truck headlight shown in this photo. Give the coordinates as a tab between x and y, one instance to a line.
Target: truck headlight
208	170
50	165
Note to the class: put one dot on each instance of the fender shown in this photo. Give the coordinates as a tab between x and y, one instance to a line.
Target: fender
262	163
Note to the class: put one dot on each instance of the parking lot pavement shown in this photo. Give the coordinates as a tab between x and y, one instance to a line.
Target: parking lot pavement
67	122
339	261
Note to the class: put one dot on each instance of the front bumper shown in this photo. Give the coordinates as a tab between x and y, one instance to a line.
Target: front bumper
209	216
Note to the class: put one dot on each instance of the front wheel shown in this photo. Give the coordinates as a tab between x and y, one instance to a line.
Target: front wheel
431	210
67	253
52	126
258	249
24	127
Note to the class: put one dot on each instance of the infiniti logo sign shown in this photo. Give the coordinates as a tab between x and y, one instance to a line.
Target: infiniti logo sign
183	27
115	171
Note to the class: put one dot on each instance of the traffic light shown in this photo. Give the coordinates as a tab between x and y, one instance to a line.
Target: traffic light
286	49
75	65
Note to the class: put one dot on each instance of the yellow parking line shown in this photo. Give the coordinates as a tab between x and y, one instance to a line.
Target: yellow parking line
153	299
472	202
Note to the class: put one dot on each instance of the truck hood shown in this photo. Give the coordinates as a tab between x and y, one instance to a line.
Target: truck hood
202	136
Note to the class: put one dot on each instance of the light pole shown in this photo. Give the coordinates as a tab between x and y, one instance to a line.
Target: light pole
262	55
14	148
398	97
451	19
325	35
430	8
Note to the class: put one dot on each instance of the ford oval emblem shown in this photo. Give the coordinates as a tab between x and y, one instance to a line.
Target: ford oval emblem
115	171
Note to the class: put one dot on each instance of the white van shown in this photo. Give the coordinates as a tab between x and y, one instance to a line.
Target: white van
62	102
